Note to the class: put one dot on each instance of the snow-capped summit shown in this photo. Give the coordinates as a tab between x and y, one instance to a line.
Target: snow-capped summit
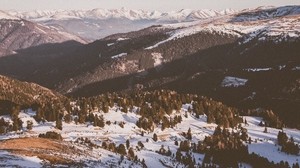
100	13
4	15
97	23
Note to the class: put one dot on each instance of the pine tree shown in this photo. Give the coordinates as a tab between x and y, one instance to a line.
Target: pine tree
68	118
140	144
29	125
155	137
131	153
122	149
210	118
178	155
189	134
127	144
58	123
266	130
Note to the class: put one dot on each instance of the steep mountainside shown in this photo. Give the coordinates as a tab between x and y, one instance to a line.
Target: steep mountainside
24	94
98	23
18	34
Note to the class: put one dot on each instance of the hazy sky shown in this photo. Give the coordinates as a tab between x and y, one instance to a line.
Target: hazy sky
162	5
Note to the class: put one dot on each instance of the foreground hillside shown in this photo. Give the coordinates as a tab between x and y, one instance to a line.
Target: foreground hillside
90	151
148	129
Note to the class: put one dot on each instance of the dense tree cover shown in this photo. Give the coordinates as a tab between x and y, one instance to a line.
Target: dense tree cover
288	145
155	108
51	135
25	95
226	149
4	126
161	108
269	117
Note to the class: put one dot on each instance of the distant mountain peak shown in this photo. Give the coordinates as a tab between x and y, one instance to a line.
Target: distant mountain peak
5	15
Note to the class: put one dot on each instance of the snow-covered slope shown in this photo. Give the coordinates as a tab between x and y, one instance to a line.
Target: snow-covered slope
263	143
275	24
261	13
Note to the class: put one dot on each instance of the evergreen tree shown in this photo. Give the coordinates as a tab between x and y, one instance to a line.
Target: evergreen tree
189	134
58	123
140	144
131	153
29	125
155	137
127	144
178	155
265	130
121	149
68	118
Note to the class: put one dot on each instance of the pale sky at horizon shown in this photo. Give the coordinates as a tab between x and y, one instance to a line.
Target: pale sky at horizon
161	5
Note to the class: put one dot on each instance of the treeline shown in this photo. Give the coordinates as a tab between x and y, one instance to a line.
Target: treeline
155	106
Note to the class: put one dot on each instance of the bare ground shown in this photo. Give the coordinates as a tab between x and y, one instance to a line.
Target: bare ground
53	151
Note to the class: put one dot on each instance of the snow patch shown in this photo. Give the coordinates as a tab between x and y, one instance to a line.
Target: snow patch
119	55
296	68
230	81
110	44
158	59
122	39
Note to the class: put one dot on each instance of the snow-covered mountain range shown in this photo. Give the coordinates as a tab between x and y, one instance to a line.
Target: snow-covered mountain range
97	23
276	24
182	15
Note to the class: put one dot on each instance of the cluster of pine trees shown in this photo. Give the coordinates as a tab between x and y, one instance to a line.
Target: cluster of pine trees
288	145
16	121
226	149
269	117
153	107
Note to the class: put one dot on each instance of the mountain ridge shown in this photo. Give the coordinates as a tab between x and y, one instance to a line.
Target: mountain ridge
98	23
19	34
